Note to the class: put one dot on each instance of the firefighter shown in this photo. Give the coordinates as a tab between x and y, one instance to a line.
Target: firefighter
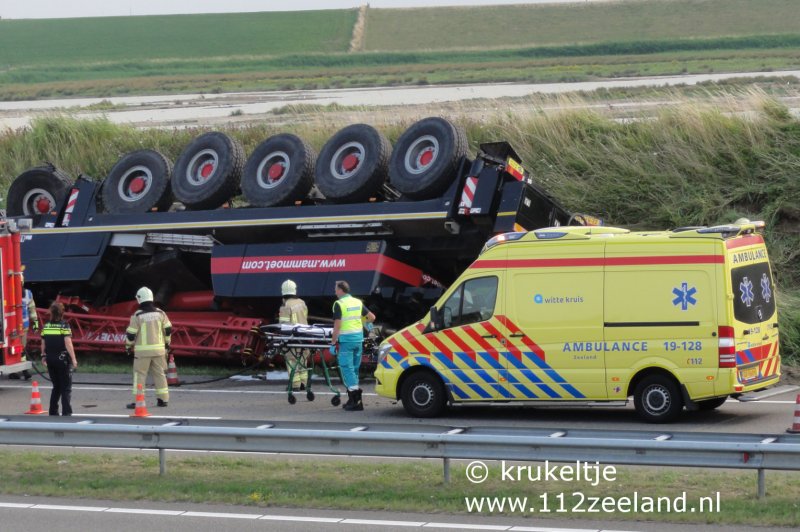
294	311
347	340
148	337
30	320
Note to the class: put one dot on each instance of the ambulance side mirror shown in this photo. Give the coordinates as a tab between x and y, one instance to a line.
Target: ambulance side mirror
437	319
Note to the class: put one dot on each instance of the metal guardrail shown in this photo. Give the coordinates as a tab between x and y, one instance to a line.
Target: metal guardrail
654	448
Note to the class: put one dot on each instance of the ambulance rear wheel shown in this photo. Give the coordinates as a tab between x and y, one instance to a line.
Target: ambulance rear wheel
426	158
657	399
423	395
712	404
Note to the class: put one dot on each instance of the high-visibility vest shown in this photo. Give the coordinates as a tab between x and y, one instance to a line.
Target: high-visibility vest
293	311
351	308
151	330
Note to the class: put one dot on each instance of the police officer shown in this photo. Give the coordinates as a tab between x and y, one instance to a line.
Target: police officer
30	320
58	355
294	311
348	339
148	336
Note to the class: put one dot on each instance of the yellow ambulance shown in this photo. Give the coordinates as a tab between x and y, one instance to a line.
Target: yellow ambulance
588	315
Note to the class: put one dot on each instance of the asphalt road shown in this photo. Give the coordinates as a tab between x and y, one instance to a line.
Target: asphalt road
33	514
260	400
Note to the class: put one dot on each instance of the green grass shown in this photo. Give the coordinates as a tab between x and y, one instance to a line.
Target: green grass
308	50
412	486
130	40
691	164
525	25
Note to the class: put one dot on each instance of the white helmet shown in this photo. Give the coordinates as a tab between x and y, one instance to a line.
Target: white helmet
288	288
144	295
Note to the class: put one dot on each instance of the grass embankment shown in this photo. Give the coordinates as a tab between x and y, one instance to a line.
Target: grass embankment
371	485
307	50
687	165
477	27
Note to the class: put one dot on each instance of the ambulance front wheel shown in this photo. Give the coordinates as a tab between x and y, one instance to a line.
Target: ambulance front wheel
657	399
423	395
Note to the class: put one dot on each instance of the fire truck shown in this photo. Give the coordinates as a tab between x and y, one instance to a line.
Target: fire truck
398	223
11	326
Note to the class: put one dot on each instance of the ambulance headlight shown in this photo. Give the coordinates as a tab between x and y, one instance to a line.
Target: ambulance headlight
383	351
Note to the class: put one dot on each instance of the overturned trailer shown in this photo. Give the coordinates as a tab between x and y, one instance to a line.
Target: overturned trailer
217	271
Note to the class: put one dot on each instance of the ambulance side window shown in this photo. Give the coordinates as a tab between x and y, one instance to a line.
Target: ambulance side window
472	302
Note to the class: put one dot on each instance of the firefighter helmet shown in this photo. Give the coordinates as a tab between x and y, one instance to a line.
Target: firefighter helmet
289	288
144	295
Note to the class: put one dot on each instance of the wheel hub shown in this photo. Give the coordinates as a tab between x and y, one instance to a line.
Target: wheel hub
276	171
422	395
350	162
42	205
206	170
426	157
137	185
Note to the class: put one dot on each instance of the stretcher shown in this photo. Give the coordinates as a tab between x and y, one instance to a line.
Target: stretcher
301	347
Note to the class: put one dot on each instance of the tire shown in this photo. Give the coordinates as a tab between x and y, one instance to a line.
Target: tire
657	399
426	158
423	395
712	404
207	172
37	191
353	165
279	172
138	183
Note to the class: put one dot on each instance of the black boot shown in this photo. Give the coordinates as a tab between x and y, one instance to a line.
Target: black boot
357	405
350	400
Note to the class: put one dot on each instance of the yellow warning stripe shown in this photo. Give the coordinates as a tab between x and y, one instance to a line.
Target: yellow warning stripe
235	223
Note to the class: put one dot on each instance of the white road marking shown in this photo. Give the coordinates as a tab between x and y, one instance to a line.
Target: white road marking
146	512
172	390
293	518
221	515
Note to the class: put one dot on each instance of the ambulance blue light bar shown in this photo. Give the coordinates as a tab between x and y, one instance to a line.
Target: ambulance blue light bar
503	238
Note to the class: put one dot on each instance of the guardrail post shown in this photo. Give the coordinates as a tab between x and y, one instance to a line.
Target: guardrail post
162	462
447	471
762	484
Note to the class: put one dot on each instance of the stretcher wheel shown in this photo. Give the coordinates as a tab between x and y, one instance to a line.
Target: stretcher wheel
310	395
292	399
335	401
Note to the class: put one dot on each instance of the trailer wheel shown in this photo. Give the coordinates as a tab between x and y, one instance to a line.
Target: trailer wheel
38	190
208	170
279	171
426	158
423	395
657	399
137	183
353	164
